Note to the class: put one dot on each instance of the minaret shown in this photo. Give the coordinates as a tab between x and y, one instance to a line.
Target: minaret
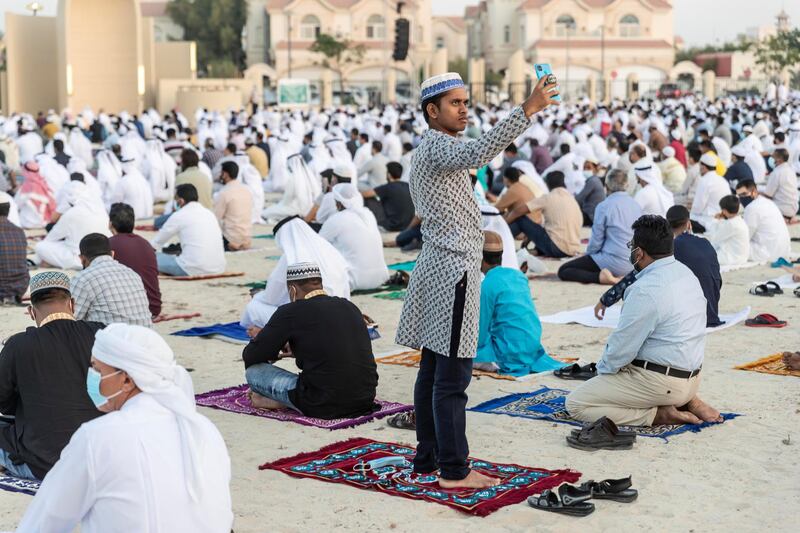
783	21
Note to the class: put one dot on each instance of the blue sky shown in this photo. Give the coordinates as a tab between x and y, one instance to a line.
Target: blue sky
697	21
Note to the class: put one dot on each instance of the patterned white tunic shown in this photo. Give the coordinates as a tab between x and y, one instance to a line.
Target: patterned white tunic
452	238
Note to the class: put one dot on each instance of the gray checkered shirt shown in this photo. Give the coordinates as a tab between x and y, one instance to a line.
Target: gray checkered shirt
107	291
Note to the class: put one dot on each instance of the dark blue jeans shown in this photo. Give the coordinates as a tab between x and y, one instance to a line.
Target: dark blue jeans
537	235
405	237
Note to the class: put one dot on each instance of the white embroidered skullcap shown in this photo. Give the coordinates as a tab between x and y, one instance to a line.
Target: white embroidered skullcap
440	84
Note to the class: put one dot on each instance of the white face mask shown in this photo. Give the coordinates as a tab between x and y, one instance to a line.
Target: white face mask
587	174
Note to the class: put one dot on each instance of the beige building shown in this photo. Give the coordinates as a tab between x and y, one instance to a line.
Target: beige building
451	33
279	34
626	42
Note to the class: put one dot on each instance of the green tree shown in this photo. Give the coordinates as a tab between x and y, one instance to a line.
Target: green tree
778	52
216	26
459	65
337	54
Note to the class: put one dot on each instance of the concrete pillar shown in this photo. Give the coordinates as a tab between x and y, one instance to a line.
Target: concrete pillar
327	88
476	70
607	91
709	84
592	89
391	86
439	65
516	76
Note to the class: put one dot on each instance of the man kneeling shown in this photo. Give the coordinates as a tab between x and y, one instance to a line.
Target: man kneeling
649	371
328	338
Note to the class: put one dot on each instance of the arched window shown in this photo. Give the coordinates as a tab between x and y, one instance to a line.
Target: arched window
629	26
376	28
506	34
440	42
309	28
565	25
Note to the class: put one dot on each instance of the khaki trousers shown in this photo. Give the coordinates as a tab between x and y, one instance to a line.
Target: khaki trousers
630	397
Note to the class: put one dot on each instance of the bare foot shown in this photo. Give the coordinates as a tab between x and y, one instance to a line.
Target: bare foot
474	480
791	360
607	278
702	410
669	414
260	402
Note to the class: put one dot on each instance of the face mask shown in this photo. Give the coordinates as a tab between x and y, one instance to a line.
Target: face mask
745	200
587	174
771	162
93	379
633	259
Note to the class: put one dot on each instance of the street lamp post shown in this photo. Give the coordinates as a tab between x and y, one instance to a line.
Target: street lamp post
35	7
289	25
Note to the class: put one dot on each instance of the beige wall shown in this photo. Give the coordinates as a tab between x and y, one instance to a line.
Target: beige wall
219	98
176	60
102	47
454	39
149	62
31	63
168	91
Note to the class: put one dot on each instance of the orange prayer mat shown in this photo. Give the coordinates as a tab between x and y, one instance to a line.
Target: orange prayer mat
167	318
412	358
772	364
204	276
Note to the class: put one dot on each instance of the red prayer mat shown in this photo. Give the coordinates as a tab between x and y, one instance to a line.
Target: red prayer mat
167	318
145	227
337	463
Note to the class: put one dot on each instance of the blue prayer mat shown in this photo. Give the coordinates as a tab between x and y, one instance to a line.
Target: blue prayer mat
236	333
15	484
548	404
407	265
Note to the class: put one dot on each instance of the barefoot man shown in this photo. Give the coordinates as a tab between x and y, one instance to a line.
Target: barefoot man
440	312
649	371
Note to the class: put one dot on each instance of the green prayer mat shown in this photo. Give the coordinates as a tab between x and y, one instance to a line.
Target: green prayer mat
265	236
255	285
273	257
396	295
383	288
408	265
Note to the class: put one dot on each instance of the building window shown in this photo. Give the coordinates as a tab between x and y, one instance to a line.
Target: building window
309	28
506	34
440	42
376	28
565	25
629	26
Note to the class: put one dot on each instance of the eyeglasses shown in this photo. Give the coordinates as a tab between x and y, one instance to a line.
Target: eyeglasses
630	245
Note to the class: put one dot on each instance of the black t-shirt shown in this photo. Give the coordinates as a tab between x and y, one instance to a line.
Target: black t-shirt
43	384
331	346
699	255
397	204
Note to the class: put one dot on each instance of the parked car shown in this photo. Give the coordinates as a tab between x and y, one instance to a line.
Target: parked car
671	90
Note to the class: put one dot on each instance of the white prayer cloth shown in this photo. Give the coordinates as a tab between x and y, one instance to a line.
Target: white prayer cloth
492	221
81	146
60	248
200	236
731	239
354	232
29	145
160	171
154	465
109	172
134	190
710	189
278	169
54	174
302	188
585	316
769	236
299	244
13	213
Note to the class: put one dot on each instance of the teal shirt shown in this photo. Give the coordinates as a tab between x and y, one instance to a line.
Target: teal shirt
510	333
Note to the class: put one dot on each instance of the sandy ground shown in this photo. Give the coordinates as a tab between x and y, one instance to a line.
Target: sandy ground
740	476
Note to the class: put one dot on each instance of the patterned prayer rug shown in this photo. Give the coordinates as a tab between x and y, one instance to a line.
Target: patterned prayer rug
548	404
394	295
405	265
234	399
338	462
15	484
412	358
772	364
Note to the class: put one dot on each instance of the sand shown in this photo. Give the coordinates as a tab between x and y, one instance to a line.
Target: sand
740	476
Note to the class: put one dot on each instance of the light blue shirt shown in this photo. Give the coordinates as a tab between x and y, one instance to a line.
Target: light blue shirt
510	333
611	232
663	320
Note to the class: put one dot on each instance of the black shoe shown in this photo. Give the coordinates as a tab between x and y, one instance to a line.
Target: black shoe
416	244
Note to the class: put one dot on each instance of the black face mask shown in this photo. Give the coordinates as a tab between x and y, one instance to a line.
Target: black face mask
633	259
745	200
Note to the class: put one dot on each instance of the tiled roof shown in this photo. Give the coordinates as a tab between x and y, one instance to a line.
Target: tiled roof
457	22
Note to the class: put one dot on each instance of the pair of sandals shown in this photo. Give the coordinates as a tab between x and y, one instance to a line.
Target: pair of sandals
573	501
602	434
765	320
406	420
769	288
576	372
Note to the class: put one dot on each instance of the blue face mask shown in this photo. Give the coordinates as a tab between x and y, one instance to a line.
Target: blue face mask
93	379
771	162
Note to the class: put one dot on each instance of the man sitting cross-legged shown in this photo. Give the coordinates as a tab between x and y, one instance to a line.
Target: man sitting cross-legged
649	371
510	333
328	338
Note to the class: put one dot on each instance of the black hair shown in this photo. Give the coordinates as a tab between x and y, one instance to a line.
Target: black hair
354	131
408	147
189	159
512	174
705	143
695	153
511	148
187	192
5	209
565	149
231	147
730	203
231	168
58	145
554	179
677	216
653	234
394	169
435	100
49	295
750	185
77	176
377	145
783	153
492	258
387	128
171	132
94	245
122	217
365	137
